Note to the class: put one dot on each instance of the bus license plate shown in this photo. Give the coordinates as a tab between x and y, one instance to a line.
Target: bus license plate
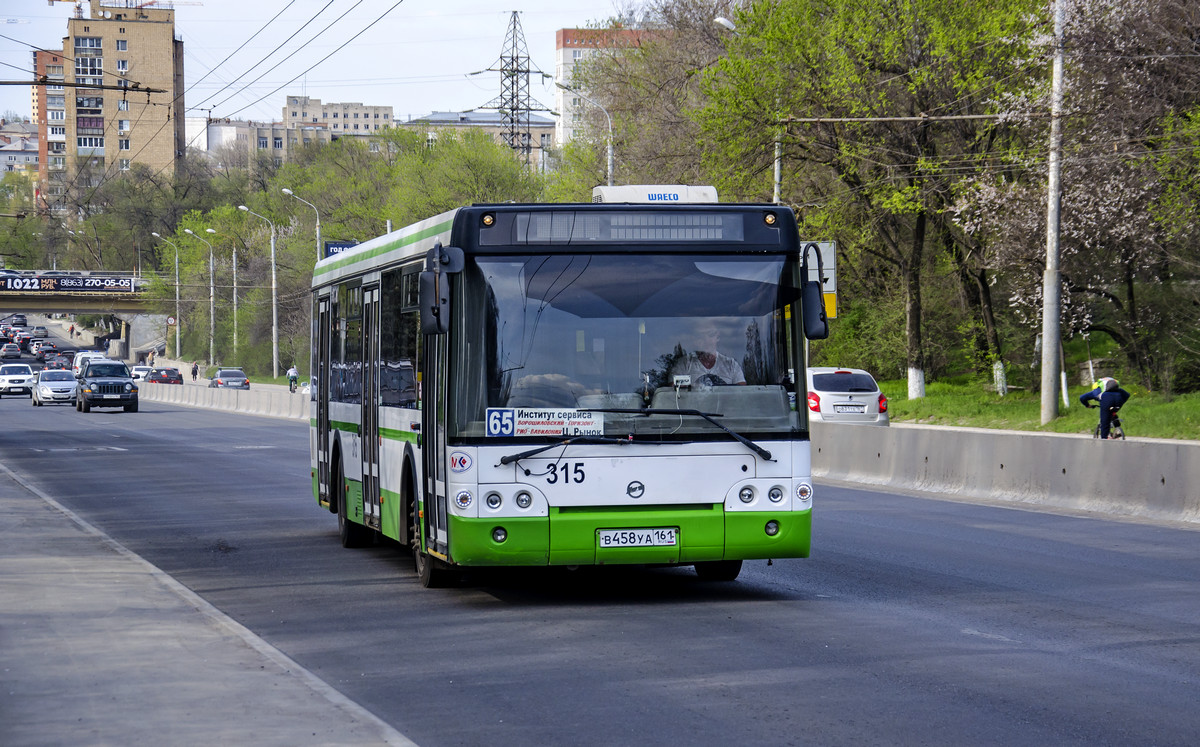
663	536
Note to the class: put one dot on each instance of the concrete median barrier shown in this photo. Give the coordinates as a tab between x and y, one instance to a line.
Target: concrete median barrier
265	399
1151	478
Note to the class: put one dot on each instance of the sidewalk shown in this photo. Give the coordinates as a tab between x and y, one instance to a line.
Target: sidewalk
97	646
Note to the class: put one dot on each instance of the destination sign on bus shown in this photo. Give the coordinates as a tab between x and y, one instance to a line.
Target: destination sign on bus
541	421
584	227
67	284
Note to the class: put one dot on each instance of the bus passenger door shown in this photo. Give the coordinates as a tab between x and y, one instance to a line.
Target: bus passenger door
320	374
369	435
433	449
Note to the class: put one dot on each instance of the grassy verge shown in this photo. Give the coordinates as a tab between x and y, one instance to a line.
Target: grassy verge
968	403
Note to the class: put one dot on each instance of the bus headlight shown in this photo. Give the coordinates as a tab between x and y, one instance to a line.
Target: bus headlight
493	501
746	494
775	494
463	499
524	499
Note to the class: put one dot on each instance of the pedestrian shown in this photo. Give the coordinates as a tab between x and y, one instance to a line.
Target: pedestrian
150	359
195	369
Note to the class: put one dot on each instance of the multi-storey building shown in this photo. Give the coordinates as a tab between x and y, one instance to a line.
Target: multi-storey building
49	107
341	119
252	139
572	47
123	81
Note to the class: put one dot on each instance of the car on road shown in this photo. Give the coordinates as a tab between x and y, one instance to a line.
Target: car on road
40	331
81	357
53	386
58	362
18	320
10	350
45	350
845	395
16	378
105	383
165	376
229	378
140	372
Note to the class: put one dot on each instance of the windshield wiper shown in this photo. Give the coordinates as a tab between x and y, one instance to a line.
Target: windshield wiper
574	440
709	416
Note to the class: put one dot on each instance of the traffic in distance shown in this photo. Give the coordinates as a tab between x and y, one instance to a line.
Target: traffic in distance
48	369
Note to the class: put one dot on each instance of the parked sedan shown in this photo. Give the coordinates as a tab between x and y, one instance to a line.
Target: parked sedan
53	386
140	372
11	350
229	378
165	376
16	378
845	395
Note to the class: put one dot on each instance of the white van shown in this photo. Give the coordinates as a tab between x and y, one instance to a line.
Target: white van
82	356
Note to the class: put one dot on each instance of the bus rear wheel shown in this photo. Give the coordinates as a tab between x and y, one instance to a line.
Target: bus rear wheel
719	570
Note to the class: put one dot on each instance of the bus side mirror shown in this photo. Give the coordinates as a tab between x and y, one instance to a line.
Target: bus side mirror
433	286
812	298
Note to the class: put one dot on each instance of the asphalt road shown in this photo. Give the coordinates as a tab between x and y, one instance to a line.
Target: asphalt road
917	620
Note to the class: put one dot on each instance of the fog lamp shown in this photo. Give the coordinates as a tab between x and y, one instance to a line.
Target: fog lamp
499	534
772	528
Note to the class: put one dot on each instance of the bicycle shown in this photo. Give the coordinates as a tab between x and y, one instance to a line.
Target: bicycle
1116	431
292	384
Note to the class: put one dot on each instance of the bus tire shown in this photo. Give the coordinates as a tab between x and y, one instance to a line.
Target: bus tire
719	570
431	572
350	533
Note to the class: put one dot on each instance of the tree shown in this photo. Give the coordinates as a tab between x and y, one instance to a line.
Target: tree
881	184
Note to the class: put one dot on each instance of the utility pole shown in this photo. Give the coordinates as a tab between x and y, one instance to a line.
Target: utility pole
514	102
1051	282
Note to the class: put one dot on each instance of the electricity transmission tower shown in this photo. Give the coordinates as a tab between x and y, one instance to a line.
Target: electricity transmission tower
514	103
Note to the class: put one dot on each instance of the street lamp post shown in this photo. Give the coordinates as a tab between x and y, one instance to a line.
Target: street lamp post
274	298
212	294
320	253
599	106
172	243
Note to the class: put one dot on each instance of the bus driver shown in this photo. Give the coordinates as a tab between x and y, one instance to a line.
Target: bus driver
704	364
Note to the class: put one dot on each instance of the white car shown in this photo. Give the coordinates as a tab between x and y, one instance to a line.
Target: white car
140	372
53	386
845	395
16	378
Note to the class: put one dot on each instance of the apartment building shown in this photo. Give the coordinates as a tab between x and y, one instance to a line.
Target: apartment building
111	62
340	119
571	48
49	108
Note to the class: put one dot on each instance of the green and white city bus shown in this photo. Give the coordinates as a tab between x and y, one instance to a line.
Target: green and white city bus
517	385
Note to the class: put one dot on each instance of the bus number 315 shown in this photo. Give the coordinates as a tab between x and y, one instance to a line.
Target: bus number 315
567	472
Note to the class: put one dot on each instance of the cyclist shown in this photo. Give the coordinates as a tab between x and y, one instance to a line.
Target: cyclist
292	376
1109	395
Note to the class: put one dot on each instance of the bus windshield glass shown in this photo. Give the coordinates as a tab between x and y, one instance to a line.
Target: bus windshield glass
552	345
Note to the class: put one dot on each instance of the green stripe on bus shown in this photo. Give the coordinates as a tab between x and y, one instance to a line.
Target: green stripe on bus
391	246
343	426
395	434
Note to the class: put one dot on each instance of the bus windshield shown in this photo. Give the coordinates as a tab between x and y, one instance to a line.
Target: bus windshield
554	336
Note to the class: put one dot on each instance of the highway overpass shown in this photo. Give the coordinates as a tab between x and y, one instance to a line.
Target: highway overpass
87	293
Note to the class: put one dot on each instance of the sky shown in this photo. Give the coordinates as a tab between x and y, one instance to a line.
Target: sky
417	58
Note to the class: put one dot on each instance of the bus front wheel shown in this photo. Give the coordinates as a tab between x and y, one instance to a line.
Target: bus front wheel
351	534
431	572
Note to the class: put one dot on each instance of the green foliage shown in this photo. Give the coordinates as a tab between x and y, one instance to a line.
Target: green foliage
967	402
